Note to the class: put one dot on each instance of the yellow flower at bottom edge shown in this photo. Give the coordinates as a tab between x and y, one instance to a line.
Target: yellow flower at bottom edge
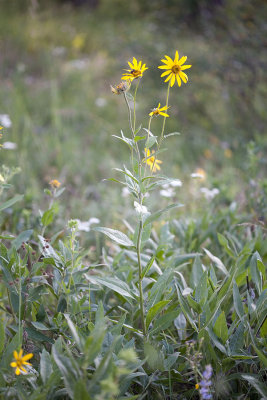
20	361
158	111
136	71
152	161
175	69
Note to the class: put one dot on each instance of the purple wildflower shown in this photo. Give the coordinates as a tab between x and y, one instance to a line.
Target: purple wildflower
206	383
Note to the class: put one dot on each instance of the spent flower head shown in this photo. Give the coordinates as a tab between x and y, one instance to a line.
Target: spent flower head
20	361
174	69
159	111
136	71
152	161
121	87
54	183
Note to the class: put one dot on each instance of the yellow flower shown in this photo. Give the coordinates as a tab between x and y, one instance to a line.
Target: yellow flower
228	153
20	361
158	111
152	161
197	386
54	183
78	41
136	71
175	69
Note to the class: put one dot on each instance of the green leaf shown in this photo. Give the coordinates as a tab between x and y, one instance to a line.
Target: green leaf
238	302
237	339
148	266
157	214
115	235
23	237
224	242
80	391
154	357
156	309
255	272
165	321
220	327
202	289
74	332
137	138
218	263
2	335
254	381
10	202
197	272
112	283
172	134
47	217
151	140
46	368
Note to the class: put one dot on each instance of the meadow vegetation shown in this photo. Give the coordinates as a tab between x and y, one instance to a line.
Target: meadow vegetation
133	211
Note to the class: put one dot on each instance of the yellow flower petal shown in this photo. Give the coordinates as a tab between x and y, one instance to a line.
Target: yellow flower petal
17	372
169	59
130	65
185	67
183	76
182	60
169	77
164	114
15	354
13	364
164	67
178	80
27	357
176	57
173	80
166	73
164	61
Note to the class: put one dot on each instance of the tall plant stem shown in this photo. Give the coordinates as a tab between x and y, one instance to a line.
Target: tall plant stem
134	117
138	250
164	119
20	302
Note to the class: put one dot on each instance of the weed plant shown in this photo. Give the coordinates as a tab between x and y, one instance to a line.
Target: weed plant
171	310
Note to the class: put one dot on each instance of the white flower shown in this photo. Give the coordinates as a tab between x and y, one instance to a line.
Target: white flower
209	193
169	192
5	120
9	145
125	191
176	183
86	225
140	209
196	175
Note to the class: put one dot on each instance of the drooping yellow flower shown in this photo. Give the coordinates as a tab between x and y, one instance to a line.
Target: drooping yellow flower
136	71
175	69
20	361
158	111
152	161
54	183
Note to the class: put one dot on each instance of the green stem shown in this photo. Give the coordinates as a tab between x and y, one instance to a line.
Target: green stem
148	130
164	118
138	250
134	116
20	335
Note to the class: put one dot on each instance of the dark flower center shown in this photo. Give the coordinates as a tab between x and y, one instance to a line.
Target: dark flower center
136	72
176	69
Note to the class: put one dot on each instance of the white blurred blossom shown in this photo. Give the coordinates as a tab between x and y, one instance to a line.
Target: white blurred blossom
168	192
86	225
9	145
125	191
5	120
100	102
140	209
209	193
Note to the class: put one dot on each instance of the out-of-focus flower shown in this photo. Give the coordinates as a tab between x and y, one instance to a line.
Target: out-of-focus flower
152	161
176	183
54	183
208	154
100	102
199	173
121	87
136	71
206	383
209	193
169	192
86	225
5	120
197	386
125	191
20	361
175	69
159	111
228	153
140	209
78	41
10	145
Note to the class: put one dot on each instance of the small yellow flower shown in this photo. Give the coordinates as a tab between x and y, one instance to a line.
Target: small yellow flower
78	41
121	87
136	71
54	183
20	361
228	153
158	111
197	386
208	154
175	69
152	161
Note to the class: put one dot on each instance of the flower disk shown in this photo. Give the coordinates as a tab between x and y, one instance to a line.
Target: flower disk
174	69
136	71
20	361
159	111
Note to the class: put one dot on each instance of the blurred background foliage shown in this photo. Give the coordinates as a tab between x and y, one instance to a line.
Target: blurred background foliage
57	61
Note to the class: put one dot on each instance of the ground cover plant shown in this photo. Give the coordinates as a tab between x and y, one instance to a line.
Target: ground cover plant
165	300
